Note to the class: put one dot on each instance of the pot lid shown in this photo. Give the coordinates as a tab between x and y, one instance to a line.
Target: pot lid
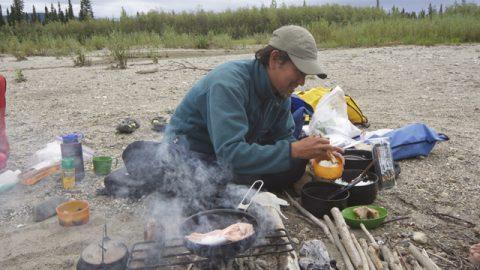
114	251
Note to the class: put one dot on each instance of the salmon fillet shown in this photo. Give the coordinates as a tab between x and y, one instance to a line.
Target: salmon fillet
232	233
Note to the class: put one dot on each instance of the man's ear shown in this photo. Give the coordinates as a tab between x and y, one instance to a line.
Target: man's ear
273	59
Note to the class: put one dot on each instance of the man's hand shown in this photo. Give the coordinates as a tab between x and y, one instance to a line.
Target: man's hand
314	147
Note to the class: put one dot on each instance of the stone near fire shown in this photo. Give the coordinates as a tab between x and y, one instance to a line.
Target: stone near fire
47	208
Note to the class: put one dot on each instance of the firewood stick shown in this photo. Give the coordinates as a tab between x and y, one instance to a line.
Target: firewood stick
393	263
338	243
364	245
369	236
346	238
422	259
372	252
402	260
311	217
441	258
413	262
365	264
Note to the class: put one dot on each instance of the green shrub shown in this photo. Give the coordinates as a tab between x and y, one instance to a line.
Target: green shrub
118	46
81	59
19	77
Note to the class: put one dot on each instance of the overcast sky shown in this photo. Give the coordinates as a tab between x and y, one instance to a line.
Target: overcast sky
111	8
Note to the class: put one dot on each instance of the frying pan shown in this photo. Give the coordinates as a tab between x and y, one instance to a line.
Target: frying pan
218	219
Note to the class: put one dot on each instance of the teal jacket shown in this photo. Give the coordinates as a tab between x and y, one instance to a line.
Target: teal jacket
234	114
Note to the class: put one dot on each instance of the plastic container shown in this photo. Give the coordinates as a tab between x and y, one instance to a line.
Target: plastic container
73	213
68	173
352	220
71	147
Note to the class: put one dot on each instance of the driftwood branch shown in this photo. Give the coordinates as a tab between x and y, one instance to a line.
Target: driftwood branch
184	65
311	217
338	243
422	259
364	245
373	253
369	236
365	265
346	238
393	262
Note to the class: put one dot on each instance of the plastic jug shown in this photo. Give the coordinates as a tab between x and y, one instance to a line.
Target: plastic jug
71	147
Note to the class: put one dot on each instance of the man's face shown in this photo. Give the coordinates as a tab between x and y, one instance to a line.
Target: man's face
285	77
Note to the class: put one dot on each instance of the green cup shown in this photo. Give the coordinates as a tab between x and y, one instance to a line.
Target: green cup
102	165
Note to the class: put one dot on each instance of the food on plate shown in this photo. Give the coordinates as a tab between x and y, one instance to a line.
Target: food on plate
364	212
232	233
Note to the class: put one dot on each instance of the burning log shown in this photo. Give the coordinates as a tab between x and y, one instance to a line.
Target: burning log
338	243
346	238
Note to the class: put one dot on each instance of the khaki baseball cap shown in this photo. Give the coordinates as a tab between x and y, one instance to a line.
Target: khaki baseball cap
300	46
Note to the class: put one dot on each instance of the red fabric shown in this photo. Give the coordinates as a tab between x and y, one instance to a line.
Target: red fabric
4	147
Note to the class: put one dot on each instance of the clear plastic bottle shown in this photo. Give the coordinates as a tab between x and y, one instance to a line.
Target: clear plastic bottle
68	173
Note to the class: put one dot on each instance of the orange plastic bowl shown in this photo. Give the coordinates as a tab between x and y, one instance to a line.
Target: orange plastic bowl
328	173
73	213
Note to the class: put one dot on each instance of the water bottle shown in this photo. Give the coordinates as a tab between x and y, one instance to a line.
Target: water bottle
72	148
68	173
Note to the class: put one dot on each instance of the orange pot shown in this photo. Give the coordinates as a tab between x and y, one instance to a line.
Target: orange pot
328	173
73	213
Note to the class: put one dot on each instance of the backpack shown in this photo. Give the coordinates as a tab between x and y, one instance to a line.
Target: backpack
313	96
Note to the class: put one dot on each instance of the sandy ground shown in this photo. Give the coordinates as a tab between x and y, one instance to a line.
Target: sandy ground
393	86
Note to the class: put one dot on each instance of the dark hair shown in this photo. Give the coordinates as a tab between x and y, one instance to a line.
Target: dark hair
263	55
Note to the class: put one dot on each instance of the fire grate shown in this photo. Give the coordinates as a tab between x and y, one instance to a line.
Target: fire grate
147	255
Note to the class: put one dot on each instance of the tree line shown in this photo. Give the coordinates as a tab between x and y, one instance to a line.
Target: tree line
16	15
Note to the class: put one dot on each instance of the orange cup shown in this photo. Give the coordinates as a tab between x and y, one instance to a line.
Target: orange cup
328	173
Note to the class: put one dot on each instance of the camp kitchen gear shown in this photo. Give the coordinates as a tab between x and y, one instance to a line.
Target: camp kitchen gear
357	159
314	198
107	255
73	213
68	173
328	173
102	165
33	176
382	155
218	219
71	147
352	220
365	192
355	181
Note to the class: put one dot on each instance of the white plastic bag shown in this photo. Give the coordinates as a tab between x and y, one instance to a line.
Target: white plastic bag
331	119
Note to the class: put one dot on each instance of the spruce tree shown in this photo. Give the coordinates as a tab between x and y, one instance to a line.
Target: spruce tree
16	11
2	22
53	13
46	19
85	10
61	16
70	15
34	14
9	18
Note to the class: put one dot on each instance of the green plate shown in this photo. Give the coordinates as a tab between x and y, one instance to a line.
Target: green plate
354	222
